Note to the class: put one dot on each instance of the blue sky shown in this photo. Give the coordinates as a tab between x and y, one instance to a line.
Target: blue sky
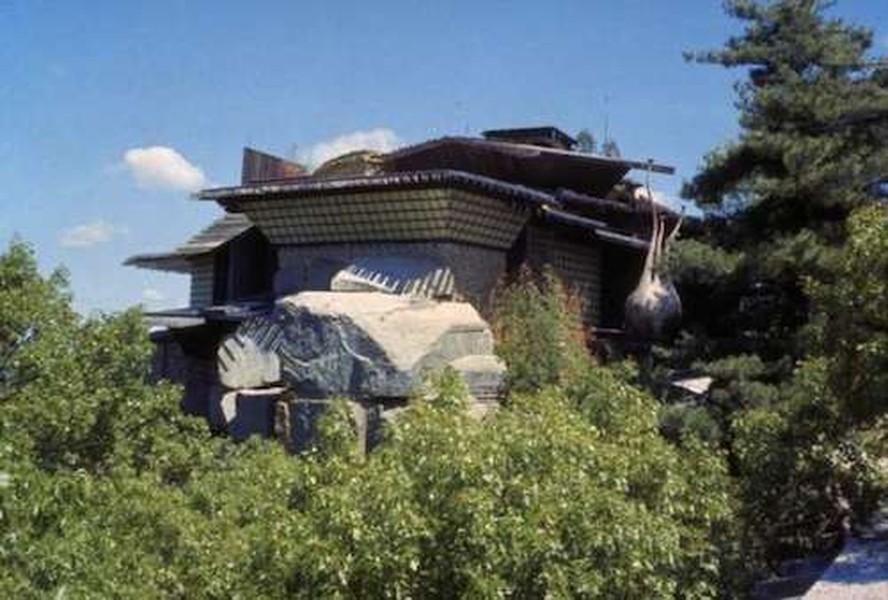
89	87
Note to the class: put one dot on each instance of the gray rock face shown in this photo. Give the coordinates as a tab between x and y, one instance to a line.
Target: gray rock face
356	344
296	422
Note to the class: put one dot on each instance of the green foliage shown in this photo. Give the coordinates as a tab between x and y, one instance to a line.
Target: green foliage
801	478
784	294
531	502
222	534
676	421
337	433
89	447
814	124
568	491
851	327
538	332
44	304
807	113
700	263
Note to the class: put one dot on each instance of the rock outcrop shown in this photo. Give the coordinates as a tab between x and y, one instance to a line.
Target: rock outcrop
370	347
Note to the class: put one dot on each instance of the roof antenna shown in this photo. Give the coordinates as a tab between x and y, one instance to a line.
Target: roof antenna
606	137
461	115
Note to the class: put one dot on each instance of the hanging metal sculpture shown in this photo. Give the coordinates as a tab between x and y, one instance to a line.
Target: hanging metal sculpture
653	309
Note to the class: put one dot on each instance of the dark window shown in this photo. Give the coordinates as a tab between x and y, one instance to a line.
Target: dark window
252	262
220	275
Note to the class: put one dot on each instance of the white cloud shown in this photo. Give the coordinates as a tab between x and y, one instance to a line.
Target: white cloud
89	234
164	168
380	139
153	295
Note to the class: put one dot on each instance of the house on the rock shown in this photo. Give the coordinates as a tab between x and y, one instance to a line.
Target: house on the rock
446	220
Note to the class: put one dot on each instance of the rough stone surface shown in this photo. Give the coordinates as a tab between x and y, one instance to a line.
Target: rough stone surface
303	415
363	344
296	422
243	365
483	374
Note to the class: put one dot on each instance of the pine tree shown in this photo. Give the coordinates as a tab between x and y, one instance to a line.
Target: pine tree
586	142
813	112
756	275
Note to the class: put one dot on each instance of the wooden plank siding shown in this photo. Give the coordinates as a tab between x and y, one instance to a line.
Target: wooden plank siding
202	281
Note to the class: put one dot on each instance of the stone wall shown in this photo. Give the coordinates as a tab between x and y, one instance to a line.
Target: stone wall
278	372
476	269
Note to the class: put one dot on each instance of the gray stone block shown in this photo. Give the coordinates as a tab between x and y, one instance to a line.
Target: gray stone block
301	427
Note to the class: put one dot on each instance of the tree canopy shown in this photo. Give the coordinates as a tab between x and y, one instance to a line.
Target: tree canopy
780	309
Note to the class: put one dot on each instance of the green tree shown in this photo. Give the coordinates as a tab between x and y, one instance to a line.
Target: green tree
777	197
768	279
586	142
74	391
850	327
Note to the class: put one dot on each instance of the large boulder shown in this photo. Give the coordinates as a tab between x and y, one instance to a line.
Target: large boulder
358	344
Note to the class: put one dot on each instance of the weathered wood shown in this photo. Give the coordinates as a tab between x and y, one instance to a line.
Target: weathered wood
260	166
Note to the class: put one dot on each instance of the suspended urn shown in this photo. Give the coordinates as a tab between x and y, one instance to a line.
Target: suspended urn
653	309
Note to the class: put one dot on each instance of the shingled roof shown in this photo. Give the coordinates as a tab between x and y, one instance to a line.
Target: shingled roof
525	164
218	233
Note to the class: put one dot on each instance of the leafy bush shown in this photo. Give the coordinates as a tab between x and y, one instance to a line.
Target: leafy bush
568	491
683	419
802	474
538	331
851	324
537	500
